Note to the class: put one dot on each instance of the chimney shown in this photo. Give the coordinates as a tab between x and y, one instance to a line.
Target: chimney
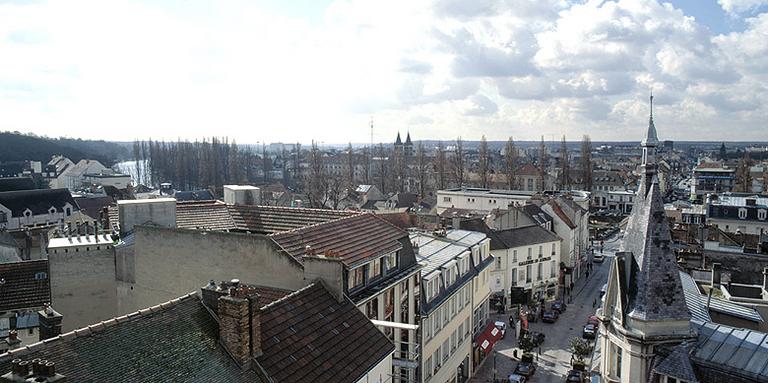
69	231
50	323
765	282
328	270
456	221
13	340
240	323
35	370
715	280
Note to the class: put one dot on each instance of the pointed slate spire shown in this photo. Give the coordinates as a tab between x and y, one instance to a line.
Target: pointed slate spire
408	138
651	139
398	141
658	293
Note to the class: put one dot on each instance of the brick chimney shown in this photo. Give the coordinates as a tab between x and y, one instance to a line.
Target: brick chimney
35	370
13	340
240	323
50	323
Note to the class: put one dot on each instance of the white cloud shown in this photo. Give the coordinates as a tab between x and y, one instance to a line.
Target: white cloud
739	6
120	70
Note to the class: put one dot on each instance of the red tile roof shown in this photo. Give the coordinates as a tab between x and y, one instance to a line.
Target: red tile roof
528	170
309	336
210	215
352	238
273	219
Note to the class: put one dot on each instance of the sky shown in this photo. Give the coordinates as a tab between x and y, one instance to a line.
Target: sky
287	71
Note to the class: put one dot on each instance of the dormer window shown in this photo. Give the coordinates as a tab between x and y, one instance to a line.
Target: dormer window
27	213
376	268
761	214
68	211
52	210
742	213
3	217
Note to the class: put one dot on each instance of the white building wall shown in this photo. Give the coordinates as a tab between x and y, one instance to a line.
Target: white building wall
480	201
379	374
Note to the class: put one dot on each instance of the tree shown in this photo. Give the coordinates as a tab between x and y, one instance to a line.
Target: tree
235	166
743	176
542	159
580	349
350	165
723	152
527	344
586	161
316	186
440	166
565	176
458	162
421	168
367	165
383	168
484	162
510	163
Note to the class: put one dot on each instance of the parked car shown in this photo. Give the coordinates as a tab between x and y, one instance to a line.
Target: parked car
576	376
598	258
550	316
536	337
515	378
559	306
594	320
589	331
525	368
502	327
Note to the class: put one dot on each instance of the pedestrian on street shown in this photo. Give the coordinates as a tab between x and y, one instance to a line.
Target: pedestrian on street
587	273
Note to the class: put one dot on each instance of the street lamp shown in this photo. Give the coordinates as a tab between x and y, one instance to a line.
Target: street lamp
494	366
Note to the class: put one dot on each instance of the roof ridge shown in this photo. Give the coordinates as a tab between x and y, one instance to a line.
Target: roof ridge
87	330
293	294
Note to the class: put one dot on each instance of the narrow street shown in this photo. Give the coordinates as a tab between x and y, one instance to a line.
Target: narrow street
554	360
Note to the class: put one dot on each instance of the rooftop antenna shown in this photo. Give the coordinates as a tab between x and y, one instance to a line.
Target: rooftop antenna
370	156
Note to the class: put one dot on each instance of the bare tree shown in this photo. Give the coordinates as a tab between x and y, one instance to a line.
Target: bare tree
484	162
458	162
350	165
421	168
510	163
586	161
743	176
765	178
565	166
367	165
440	166
542	164
316	181
383	168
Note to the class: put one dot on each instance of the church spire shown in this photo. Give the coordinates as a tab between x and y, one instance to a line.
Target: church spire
651	139
648	164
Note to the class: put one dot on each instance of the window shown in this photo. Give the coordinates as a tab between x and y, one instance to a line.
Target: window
528	274
3	217
553	249
552	269
761	215
541	252
446	199
538	274
514	277
446	350
514	255
498	263
436	359
356	277
376	268
428	367
68	211
742	213
391	261
428	327
618	362
466	327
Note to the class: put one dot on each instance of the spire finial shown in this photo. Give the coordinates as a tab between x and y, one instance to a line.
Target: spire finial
651	103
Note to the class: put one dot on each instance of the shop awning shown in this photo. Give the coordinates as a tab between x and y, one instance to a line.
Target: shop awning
488	338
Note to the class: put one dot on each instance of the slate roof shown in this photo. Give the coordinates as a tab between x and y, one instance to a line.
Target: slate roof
309	336
659	292
534	211
352	239
526	236
477	224
25	285
38	201
736	351
16	183
193	195
176	341
677	365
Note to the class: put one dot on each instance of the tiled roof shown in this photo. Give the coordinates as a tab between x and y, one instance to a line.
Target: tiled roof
561	214
534	211
352	238
24	285
477	224
528	170
309	336
210	215
38	201
273	219
176	341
